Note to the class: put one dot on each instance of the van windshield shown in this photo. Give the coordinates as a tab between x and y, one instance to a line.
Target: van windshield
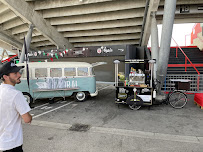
92	71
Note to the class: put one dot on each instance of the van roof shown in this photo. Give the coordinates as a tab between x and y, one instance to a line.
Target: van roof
56	64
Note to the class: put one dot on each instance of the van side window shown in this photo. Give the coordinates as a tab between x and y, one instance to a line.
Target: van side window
55	72
82	71
69	72
40	72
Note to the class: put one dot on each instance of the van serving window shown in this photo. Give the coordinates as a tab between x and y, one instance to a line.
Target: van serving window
55	72
69	72
40	72
82	71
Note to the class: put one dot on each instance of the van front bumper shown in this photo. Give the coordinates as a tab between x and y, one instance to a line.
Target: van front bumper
94	94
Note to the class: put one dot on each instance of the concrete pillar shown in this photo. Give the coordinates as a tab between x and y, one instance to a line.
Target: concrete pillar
168	20
147	53
154	44
28	39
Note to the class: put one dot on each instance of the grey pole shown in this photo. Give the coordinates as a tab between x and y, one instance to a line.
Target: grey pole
28	39
154	44
168	20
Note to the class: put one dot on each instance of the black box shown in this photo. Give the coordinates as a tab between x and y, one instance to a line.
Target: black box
182	85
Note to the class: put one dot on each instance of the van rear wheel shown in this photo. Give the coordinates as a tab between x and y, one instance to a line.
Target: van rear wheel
80	96
28	98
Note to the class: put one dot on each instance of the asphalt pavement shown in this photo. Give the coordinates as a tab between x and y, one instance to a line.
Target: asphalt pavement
99	125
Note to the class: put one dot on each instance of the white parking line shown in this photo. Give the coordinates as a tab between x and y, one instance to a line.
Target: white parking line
62	102
40	106
46	107
105	87
51	110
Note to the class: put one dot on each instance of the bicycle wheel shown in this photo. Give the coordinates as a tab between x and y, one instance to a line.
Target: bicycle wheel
177	99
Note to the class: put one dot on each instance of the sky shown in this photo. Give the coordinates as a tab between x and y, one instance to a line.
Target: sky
180	31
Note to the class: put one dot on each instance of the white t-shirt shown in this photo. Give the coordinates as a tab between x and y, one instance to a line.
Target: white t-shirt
12	106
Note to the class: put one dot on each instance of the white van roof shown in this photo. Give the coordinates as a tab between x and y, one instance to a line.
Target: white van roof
56	64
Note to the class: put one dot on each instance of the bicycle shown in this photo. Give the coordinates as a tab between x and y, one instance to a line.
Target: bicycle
177	97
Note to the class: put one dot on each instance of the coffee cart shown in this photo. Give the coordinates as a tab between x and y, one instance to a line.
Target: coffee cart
136	90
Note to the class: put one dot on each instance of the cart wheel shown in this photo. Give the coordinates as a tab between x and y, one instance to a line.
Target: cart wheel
80	96
134	105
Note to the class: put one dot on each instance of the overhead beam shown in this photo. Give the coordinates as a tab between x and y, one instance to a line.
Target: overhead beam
34	33
12	41
188	20
122	30
153	7
101	25
184	20
20	29
3	8
184	16
191	9
32	0
37	20
12	23
8	47
105	38
42	43
38	38
94	8
107	16
7	37
41	5
135	42
7	16
48	47
182	2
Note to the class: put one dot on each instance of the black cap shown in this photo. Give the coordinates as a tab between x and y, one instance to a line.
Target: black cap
9	67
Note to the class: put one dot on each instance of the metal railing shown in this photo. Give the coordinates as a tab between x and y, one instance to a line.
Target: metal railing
169	85
187	59
9	59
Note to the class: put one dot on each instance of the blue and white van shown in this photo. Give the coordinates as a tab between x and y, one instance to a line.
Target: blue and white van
58	79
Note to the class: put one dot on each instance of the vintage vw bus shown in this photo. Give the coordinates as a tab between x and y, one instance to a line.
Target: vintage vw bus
58	79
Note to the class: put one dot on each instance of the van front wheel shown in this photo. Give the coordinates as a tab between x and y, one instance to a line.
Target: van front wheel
28	98
80	96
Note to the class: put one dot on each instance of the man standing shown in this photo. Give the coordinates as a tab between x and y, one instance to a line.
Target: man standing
13	108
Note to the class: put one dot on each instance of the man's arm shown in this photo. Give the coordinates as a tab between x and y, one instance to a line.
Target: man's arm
27	117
